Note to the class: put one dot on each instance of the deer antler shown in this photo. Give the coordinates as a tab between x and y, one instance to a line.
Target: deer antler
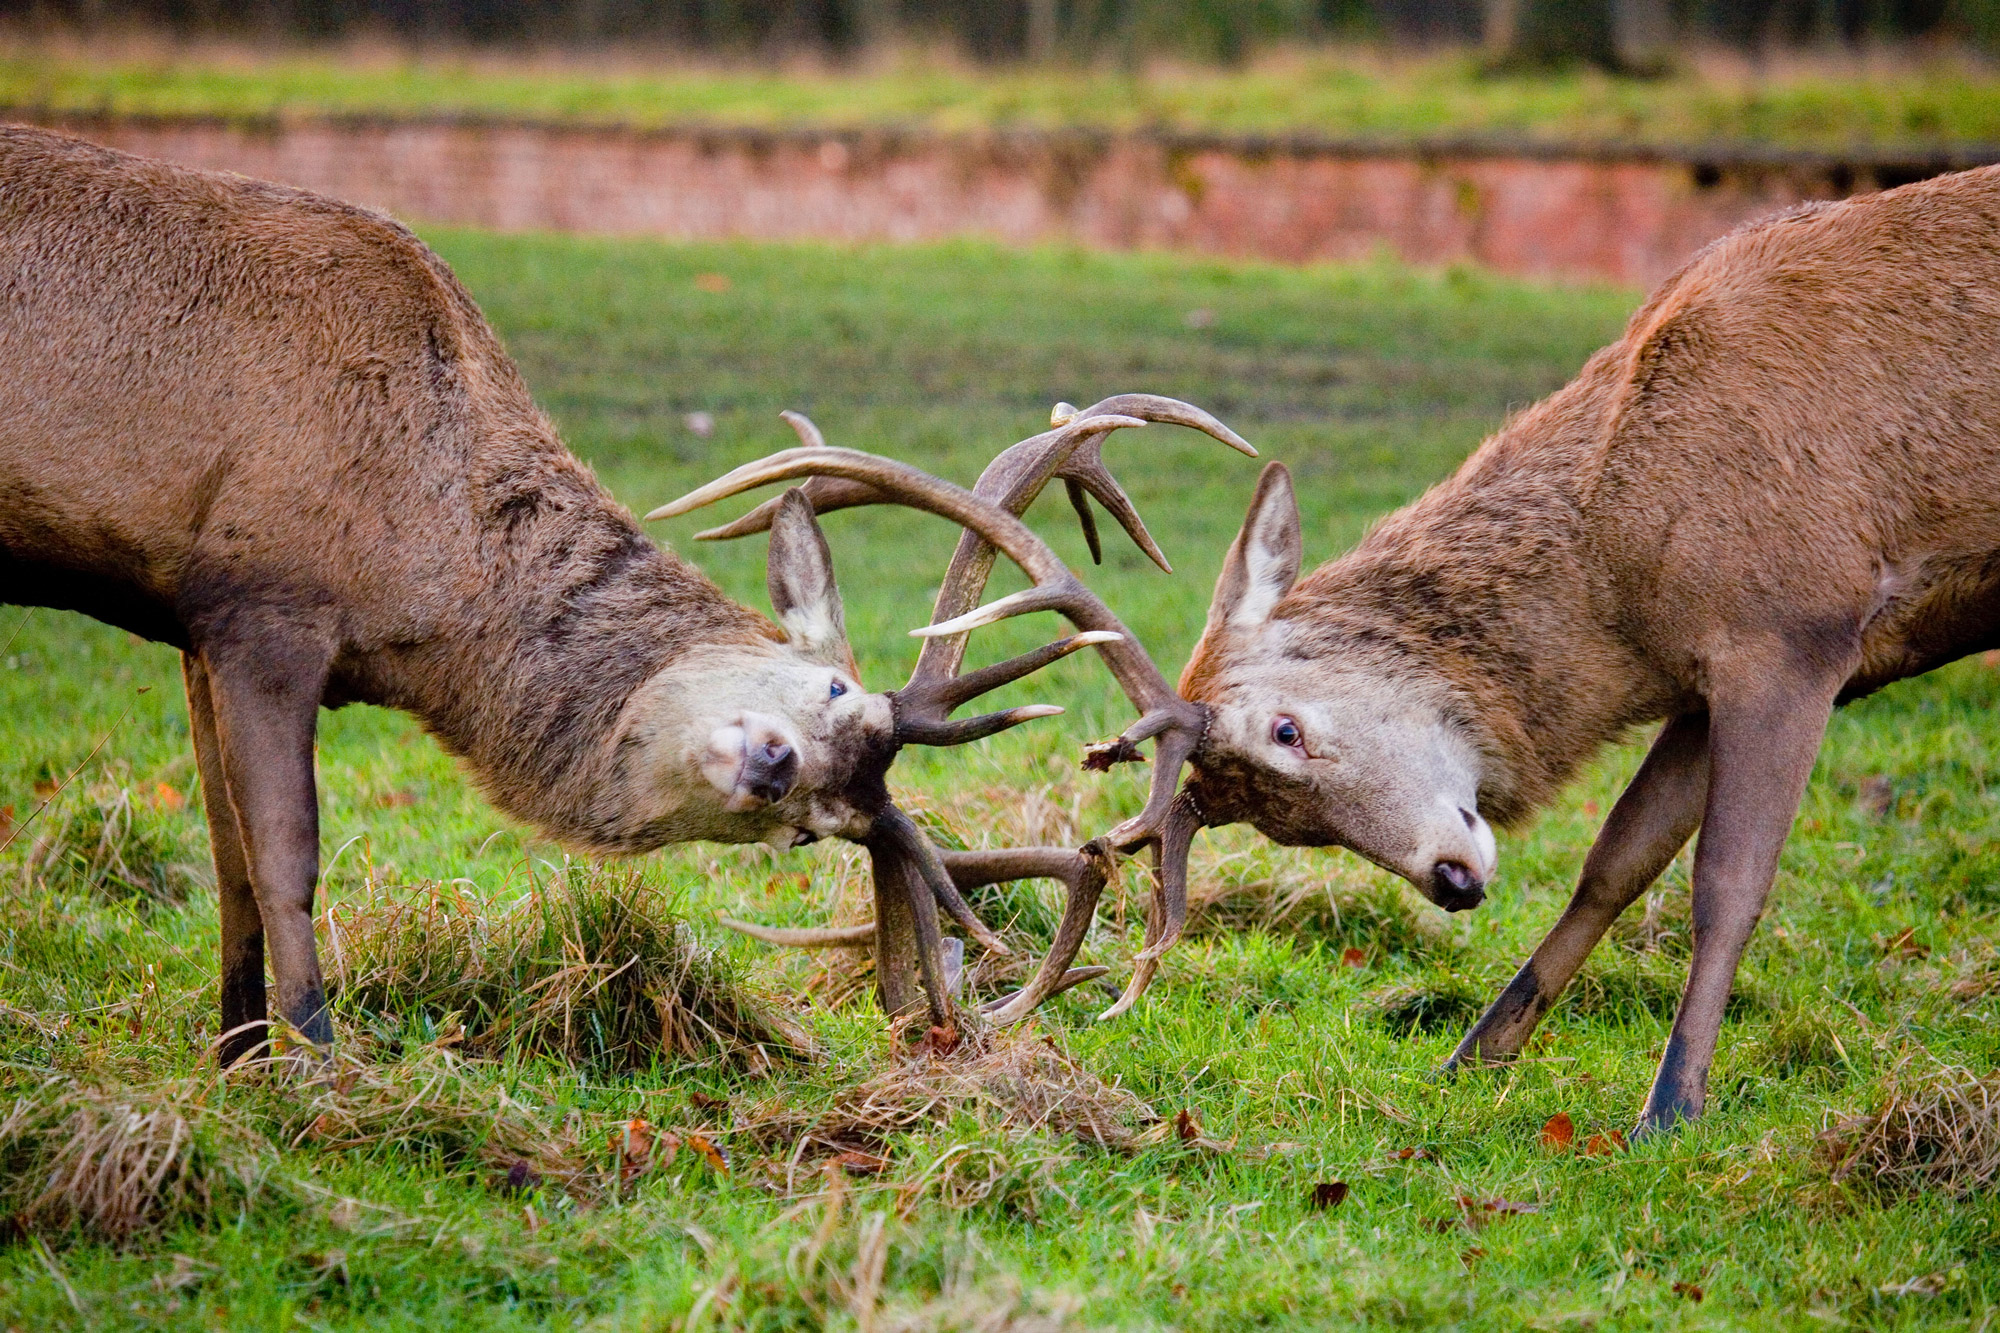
840	478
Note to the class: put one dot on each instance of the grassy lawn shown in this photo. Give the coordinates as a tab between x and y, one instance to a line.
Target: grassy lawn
1800	103
1298	1027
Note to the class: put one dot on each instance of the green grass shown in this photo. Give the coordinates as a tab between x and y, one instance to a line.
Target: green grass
1802	104
1372	382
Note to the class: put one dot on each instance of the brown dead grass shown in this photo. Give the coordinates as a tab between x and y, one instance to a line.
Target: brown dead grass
118	1162
1937	1130
1013	1078
591	966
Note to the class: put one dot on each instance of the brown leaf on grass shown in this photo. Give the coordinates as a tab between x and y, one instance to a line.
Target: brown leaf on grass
521	1178
801	882
399	799
1187	1125
712	282
706	1148
167	797
45	787
701	1101
938	1041
638	1148
1476	1214
1878	796
6	821
1904	946
860	1163
1690	1290
1412	1155
1604	1145
1353	956
1328	1194
1558	1131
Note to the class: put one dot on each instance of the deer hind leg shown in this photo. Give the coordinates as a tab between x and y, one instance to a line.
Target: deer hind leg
1762	746
264	690
1648	826
243	1012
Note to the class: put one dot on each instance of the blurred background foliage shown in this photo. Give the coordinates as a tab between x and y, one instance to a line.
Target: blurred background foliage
1630	36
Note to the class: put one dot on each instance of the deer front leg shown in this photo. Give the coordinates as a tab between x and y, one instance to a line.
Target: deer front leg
1651	822
265	691
243	1012
1762	746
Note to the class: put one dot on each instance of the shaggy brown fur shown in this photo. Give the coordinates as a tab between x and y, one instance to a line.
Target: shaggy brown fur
1779	490
273	430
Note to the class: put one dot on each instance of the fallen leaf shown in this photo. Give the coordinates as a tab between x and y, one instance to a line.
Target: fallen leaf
1413	1154
1187	1126
1352	956
703	1102
1590	808
521	1177
1690	1290
1904	946
1558	1131
639	1147
396	800
713	282
709	1152
1878	796
1604	1145
860	1163
6	820
938	1041
1328	1194
166	797
1470	1254
45	787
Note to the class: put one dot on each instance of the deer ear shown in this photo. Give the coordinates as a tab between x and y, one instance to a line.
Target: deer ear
1263	562
800	577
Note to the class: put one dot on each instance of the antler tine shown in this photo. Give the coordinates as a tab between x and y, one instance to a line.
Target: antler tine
1168	917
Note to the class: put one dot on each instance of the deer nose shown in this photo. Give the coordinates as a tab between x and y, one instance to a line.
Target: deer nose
1456	887
768	770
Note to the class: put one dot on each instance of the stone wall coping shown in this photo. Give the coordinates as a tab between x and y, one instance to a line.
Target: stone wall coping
1723	154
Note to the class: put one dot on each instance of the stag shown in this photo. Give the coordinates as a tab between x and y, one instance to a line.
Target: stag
273	431
1777	492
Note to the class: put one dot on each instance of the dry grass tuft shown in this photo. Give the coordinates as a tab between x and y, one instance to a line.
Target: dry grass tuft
116	1163
591	967
111	843
431	1105
1939	1131
1014	1079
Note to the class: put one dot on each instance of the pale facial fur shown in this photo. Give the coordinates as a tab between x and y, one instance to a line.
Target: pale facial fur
1314	751
757	742
697	728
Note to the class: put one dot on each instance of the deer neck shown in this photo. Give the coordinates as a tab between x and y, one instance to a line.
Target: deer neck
1486	586
562	611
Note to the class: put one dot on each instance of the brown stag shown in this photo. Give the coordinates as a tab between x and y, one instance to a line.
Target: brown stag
273	431
1777	492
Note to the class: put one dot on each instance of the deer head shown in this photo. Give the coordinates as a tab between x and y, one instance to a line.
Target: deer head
920	712
1362	749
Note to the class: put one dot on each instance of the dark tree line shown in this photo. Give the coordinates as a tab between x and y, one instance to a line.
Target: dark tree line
1607	32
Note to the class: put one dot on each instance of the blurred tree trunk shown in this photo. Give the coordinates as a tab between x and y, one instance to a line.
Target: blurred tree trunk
1043	32
1630	36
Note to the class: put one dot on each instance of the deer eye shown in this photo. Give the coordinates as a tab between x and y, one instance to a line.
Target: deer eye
1286	733
835	690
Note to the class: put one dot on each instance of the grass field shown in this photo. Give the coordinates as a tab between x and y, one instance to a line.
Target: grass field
1298	1028
1798	102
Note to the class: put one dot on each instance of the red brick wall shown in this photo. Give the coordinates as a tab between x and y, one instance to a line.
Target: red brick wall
1631	218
